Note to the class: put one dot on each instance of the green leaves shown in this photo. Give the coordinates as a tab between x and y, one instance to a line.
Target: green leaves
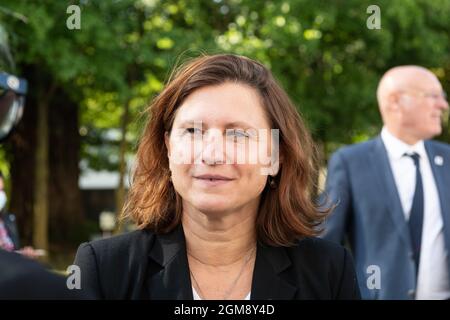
321	51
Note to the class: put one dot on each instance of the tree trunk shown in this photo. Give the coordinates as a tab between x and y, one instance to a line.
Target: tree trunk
55	188
64	154
120	192
40	206
22	150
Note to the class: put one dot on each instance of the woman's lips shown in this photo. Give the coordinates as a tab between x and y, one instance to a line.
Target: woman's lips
212	182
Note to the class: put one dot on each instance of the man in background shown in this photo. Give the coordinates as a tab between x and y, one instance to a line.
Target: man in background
392	193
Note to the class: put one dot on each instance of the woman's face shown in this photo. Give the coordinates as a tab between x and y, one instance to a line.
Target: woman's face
216	149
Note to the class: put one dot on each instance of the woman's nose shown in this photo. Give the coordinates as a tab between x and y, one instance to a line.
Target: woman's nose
213	148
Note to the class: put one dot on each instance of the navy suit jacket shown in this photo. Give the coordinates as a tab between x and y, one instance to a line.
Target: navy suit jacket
369	215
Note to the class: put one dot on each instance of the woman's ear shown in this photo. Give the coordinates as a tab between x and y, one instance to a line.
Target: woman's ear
278	165
167	142
275	167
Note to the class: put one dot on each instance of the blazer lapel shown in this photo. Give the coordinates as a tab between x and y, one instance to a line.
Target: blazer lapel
168	270
388	190
267	283
441	175
168	275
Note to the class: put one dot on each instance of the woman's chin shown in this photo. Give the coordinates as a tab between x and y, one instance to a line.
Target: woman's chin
213	206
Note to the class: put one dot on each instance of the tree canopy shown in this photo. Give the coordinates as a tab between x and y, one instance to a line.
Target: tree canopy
102	77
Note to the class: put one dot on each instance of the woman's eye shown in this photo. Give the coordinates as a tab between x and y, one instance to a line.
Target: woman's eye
193	130
237	133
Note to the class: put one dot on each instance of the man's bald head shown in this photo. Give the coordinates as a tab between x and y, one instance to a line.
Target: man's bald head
399	79
411	102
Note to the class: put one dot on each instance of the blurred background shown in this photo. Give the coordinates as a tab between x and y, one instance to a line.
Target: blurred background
67	164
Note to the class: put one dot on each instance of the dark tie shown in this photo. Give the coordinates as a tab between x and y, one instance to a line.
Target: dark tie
416	214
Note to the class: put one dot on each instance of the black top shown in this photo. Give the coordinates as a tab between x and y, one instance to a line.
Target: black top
145	265
22	278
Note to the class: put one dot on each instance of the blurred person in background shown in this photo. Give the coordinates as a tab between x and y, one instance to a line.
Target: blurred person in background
9	235
392	193
20	278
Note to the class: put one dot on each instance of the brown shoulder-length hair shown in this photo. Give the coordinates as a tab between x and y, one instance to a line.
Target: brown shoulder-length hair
286	213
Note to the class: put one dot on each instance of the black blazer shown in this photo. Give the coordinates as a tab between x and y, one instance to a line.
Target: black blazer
144	265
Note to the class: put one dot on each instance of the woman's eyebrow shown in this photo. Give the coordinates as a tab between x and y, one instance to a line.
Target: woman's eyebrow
232	124
239	124
190	123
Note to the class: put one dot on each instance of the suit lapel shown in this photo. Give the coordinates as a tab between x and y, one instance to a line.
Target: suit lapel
267	283
168	271
441	175
388	191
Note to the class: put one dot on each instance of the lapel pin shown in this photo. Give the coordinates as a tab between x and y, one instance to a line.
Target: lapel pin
438	160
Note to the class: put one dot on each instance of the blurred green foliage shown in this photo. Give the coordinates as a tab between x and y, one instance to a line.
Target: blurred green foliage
321	51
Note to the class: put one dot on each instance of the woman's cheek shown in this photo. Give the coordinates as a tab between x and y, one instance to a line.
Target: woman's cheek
182	152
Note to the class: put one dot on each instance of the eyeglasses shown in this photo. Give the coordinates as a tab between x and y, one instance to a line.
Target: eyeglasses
12	101
423	94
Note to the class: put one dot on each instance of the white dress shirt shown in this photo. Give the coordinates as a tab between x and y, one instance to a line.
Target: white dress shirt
433	277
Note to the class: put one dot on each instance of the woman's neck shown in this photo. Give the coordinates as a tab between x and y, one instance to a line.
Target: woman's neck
219	241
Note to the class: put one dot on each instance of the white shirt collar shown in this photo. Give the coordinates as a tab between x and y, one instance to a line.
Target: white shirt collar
396	148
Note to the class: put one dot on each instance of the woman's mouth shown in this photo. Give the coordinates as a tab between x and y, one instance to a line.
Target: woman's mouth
213	180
